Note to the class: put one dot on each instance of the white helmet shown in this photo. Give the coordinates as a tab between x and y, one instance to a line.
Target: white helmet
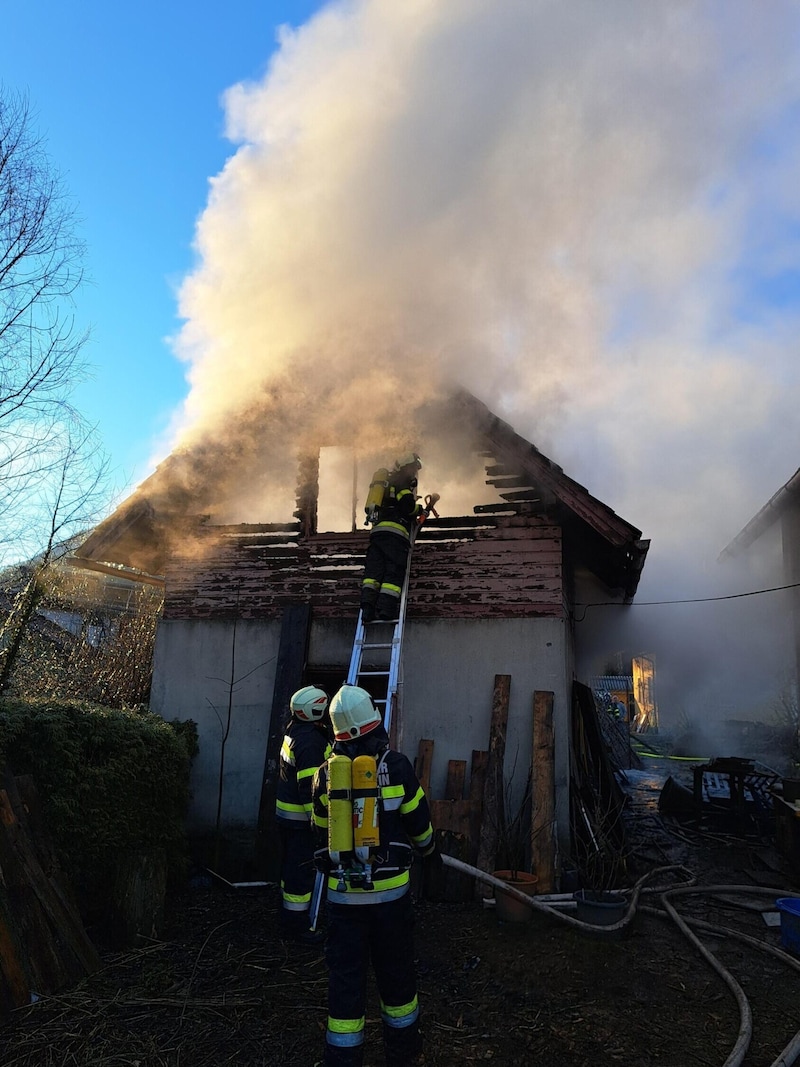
309	704
410	459
352	713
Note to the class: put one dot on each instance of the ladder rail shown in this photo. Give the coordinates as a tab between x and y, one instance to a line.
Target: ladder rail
394	646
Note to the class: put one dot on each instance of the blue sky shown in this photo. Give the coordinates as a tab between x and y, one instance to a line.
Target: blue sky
127	97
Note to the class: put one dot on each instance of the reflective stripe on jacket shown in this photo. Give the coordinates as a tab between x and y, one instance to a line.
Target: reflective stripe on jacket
305	747
399	510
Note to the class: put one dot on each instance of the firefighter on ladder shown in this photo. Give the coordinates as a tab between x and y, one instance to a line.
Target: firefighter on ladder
394	510
370	817
305	747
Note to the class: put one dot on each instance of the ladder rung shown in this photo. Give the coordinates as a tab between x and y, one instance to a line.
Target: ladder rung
373	674
389	645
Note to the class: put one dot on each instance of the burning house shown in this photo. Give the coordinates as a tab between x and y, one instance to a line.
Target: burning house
253	611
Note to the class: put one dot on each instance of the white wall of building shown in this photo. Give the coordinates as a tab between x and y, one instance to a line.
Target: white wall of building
449	669
198	668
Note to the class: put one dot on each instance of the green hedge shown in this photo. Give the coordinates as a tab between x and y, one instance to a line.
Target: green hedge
110	780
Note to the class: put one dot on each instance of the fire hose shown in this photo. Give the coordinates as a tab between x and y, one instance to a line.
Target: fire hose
789	1055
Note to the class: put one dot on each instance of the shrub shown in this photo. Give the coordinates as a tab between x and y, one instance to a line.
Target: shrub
110	781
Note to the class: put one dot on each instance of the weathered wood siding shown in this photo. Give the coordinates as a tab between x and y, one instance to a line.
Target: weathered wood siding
487	567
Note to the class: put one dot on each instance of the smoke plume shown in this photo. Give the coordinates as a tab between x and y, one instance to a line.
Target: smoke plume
584	213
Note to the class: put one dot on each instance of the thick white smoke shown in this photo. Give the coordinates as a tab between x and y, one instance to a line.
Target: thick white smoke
577	210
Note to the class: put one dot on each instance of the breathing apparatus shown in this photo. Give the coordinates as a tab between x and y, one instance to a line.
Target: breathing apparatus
377	488
353	793
353	818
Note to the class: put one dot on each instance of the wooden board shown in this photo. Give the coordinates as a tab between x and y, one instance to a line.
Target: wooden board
493	789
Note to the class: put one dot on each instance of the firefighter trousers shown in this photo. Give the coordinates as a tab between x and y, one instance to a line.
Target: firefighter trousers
384	574
297	875
383	935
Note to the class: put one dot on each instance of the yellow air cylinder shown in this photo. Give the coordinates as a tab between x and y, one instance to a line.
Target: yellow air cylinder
340	808
377	487
366	832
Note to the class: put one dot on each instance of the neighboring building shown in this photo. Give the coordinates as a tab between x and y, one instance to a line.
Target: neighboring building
253	611
780	515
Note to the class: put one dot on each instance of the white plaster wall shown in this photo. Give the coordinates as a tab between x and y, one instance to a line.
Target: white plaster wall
194	665
447	688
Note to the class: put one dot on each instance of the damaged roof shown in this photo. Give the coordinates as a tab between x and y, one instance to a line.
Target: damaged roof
137	533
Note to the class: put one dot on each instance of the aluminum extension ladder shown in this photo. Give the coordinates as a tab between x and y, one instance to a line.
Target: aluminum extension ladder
382	642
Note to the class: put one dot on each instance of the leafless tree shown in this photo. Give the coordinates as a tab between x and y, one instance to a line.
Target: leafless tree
53	472
46	448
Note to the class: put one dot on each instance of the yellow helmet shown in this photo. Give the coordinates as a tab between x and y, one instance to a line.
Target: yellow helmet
309	704
352	713
410	459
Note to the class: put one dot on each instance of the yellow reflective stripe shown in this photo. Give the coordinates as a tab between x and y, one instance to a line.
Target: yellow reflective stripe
282	805
296	898
403	1009
389	791
346	1026
306	774
370	581
423	839
413	804
379	884
395	527
287	752
321	821
391	590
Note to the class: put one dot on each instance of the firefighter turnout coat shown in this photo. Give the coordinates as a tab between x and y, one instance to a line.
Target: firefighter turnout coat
305	747
389	545
375	923
400	508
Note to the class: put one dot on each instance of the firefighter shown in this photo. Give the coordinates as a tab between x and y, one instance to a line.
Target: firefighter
372	921
390	541
306	745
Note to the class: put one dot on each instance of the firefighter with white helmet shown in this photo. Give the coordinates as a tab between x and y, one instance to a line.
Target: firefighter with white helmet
394	519
369	906
306	745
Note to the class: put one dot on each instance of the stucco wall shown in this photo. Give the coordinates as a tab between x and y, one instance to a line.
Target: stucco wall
194	664
447	685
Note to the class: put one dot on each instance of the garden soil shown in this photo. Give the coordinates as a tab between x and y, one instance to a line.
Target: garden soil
219	986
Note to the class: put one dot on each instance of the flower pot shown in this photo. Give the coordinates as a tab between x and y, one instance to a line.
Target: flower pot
599	907
508	908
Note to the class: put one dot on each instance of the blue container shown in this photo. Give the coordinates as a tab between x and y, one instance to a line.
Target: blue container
789	907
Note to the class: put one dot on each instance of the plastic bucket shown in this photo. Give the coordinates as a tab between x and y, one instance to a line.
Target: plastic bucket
789	907
599	907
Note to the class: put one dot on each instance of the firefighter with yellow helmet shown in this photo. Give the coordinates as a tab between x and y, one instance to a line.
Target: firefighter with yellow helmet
306	745
394	511
370	817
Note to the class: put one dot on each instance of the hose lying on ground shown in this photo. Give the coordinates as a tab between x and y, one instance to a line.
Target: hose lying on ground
537	905
787	1057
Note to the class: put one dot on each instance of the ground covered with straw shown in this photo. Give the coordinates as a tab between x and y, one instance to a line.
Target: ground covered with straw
220	987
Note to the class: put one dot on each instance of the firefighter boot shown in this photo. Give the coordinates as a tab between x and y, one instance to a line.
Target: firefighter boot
294	927
369	594
343	1057
387	607
403	1046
